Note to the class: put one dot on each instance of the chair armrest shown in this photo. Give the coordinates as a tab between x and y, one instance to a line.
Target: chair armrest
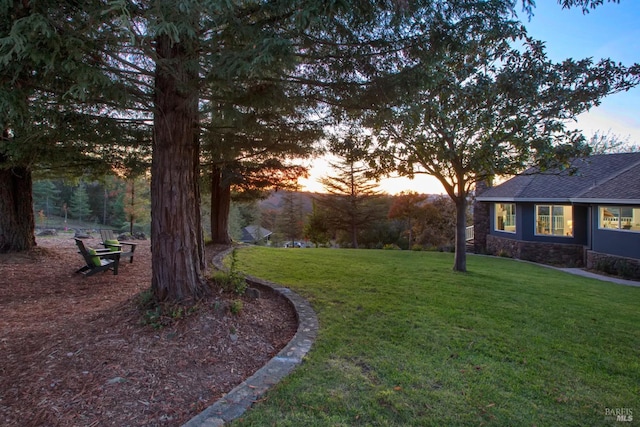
109	254
101	251
111	245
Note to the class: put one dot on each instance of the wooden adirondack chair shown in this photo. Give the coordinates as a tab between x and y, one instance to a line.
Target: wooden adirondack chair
111	242
97	259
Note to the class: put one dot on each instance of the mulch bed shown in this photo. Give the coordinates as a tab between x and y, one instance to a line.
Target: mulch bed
76	351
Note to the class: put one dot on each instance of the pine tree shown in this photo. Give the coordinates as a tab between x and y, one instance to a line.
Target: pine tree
45	197
79	205
351	190
316	229
60	104
253	141
290	220
136	202
69	82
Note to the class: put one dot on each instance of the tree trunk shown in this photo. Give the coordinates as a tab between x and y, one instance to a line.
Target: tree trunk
176	228
220	206
354	236
353	214
460	259
481	219
17	222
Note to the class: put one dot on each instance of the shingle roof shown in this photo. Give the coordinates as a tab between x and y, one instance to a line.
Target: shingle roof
625	186
254	233
601	177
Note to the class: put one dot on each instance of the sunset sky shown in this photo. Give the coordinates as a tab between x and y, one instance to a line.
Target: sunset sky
610	31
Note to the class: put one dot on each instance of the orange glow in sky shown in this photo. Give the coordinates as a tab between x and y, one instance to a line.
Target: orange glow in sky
609	31
420	184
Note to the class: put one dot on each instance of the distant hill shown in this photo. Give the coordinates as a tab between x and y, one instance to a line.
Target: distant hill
275	200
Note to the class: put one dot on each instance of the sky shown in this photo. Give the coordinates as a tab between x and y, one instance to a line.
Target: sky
609	31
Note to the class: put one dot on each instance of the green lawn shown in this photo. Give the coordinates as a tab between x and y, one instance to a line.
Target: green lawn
406	341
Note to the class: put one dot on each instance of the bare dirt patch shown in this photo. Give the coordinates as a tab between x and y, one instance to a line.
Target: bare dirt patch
75	352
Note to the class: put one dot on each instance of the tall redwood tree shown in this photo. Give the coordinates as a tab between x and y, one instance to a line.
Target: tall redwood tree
17	221
176	229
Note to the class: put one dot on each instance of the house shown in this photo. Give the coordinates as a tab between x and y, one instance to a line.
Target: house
255	234
587	215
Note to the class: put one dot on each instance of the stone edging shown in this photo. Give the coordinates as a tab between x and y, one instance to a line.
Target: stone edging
238	400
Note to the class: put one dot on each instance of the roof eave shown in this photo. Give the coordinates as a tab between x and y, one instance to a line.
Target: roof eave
524	199
606	201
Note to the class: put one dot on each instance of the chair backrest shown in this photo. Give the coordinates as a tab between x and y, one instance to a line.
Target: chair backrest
107	235
84	252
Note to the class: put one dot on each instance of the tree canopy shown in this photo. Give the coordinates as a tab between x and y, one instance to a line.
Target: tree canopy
350	204
441	83
489	102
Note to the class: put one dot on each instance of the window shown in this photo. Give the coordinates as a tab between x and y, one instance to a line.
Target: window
505	217
554	220
619	218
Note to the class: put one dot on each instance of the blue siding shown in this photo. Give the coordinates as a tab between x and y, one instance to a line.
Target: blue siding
580	226
526	231
585	231
620	243
492	224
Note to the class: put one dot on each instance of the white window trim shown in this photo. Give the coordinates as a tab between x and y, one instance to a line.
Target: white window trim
551	219
495	219
620	221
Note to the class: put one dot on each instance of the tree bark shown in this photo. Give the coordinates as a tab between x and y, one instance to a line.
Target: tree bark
481	219
176	229
220	206
354	236
17	221
460	259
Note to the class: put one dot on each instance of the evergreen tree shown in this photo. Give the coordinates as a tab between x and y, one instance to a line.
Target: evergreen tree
79	206
117	214
46	197
253	140
236	222
69	83
351	191
114	189
60	103
136	202
290	220
316	229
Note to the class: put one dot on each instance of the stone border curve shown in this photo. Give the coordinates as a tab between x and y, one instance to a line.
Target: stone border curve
238	400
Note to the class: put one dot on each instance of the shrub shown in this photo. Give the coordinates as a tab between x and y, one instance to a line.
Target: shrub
158	315
232	280
626	269
236	307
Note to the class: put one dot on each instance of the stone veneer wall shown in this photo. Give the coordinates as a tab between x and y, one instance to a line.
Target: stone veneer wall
481	213
628	268
559	254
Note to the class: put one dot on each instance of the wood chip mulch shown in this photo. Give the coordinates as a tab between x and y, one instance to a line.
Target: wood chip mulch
75	351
